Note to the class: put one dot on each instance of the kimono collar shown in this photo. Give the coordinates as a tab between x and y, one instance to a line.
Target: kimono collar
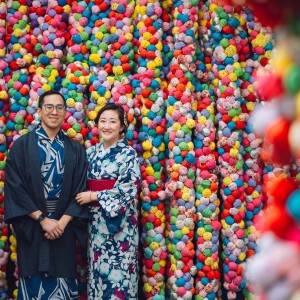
118	142
42	133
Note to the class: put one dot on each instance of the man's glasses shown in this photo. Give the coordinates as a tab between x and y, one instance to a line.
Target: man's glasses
50	107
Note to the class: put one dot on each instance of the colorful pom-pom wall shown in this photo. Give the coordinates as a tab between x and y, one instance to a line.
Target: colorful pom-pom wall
211	91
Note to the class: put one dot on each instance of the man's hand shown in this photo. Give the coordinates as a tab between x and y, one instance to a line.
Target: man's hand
52	228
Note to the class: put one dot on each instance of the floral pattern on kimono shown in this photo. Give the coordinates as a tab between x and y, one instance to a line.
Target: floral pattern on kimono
112	256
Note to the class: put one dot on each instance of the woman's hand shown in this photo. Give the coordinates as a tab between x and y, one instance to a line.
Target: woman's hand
85	197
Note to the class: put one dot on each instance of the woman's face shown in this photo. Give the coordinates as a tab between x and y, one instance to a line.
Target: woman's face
109	127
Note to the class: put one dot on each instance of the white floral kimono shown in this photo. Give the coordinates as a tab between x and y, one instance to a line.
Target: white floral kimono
113	226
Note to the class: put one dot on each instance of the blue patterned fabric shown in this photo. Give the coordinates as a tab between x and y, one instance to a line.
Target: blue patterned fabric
52	162
113	245
40	287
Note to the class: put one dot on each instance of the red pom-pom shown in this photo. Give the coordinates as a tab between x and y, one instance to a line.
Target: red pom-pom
269	85
277	146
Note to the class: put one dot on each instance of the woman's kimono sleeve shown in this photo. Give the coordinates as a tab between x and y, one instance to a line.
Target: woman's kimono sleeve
113	201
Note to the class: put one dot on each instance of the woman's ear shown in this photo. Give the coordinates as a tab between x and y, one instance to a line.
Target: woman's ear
122	130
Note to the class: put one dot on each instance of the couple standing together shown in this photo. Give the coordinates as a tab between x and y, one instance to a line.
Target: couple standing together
47	204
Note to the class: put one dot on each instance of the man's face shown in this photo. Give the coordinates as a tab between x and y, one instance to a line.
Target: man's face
52	113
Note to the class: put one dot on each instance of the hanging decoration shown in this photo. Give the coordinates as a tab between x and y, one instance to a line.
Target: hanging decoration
187	74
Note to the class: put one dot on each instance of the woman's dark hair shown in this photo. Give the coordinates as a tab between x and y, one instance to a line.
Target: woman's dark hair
120	111
49	93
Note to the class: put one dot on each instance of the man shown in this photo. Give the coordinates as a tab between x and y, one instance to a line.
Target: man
44	171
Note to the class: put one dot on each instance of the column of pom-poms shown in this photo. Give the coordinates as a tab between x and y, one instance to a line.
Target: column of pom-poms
17	81
77	71
18	59
98	44
181	164
37	12
206	185
74	86
62	17
121	62
147	87
117	59
226	69
4	232
167	55
47	28
261	51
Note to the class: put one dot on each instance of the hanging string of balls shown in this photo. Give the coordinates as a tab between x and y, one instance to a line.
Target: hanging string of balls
147	87
97	13
18	60
4	231
4	108
16	79
261	41
181	164
226	69
278	120
207	282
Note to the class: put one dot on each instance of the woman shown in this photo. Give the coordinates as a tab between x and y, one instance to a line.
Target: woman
113	228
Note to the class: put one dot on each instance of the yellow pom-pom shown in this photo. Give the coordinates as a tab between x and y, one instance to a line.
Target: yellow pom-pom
17	47
176	126
28	58
185	230
190	123
147	35
232	77
149	170
147	288
101	102
200	231
186	196
128	36
70	102
207	236
95	58
13	257
117	70
227	181
242	256
162	148
170	110
140	24
158	61
147	145
67	9
99	35
46	87
147	154
250	105
71	132
3	95
206	193
159	46
151	65
107	95
234	153
153	246
92	115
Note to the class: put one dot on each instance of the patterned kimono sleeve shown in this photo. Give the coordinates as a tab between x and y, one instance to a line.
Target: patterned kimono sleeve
114	201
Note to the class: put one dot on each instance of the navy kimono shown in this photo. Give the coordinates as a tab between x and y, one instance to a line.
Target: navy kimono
24	193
